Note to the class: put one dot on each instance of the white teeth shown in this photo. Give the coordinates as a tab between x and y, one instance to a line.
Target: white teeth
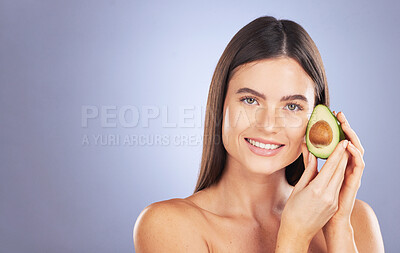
262	145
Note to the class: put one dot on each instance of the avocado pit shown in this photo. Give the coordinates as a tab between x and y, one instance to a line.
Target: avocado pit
321	134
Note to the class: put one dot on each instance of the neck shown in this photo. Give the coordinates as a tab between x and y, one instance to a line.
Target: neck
254	195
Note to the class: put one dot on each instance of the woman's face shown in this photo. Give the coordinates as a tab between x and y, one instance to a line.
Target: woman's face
268	101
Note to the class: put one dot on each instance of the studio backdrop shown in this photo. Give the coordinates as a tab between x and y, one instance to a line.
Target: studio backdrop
102	108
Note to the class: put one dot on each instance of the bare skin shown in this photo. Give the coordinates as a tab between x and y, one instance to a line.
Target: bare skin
193	228
243	212
237	233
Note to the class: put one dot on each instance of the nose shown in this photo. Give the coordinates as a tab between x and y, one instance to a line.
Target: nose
268	119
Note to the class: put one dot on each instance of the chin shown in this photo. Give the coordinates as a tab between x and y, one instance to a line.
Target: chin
264	167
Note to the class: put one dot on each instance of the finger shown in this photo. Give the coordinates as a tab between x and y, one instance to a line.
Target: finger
337	179
325	175
359	164
352	181
306	154
350	133
309	174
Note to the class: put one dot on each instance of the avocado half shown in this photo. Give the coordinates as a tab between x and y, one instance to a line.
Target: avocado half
323	132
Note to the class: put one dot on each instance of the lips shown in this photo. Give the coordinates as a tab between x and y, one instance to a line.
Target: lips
264	141
262	151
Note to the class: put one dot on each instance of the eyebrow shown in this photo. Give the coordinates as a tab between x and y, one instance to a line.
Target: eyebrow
285	98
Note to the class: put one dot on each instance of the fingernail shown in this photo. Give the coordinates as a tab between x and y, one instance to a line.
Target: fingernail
309	157
343	116
345	143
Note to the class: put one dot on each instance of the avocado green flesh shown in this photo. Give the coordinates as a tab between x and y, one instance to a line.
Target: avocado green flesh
321	112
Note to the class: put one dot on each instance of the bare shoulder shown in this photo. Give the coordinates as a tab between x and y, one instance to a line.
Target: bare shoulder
168	226
367	233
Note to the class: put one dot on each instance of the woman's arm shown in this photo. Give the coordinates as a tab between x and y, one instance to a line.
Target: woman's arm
354	227
363	234
165	227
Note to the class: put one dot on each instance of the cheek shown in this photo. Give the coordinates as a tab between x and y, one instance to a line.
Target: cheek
296	127
236	120
295	122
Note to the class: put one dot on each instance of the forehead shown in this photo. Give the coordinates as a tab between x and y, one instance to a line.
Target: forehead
274	77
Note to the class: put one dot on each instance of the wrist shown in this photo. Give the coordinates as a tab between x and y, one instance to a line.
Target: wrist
338	229
340	238
291	241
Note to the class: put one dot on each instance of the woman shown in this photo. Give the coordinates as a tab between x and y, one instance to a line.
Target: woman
259	189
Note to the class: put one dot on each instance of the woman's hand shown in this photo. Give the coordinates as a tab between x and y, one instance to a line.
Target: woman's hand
339	225
314	199
352	178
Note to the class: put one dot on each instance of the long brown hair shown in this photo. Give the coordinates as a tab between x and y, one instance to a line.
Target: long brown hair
263	38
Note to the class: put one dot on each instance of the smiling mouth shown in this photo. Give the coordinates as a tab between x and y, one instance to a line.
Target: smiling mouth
262	145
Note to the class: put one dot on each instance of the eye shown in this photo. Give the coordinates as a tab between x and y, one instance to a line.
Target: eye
249	100
293	106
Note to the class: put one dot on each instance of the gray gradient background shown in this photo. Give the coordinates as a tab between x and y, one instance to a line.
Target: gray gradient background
58	195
